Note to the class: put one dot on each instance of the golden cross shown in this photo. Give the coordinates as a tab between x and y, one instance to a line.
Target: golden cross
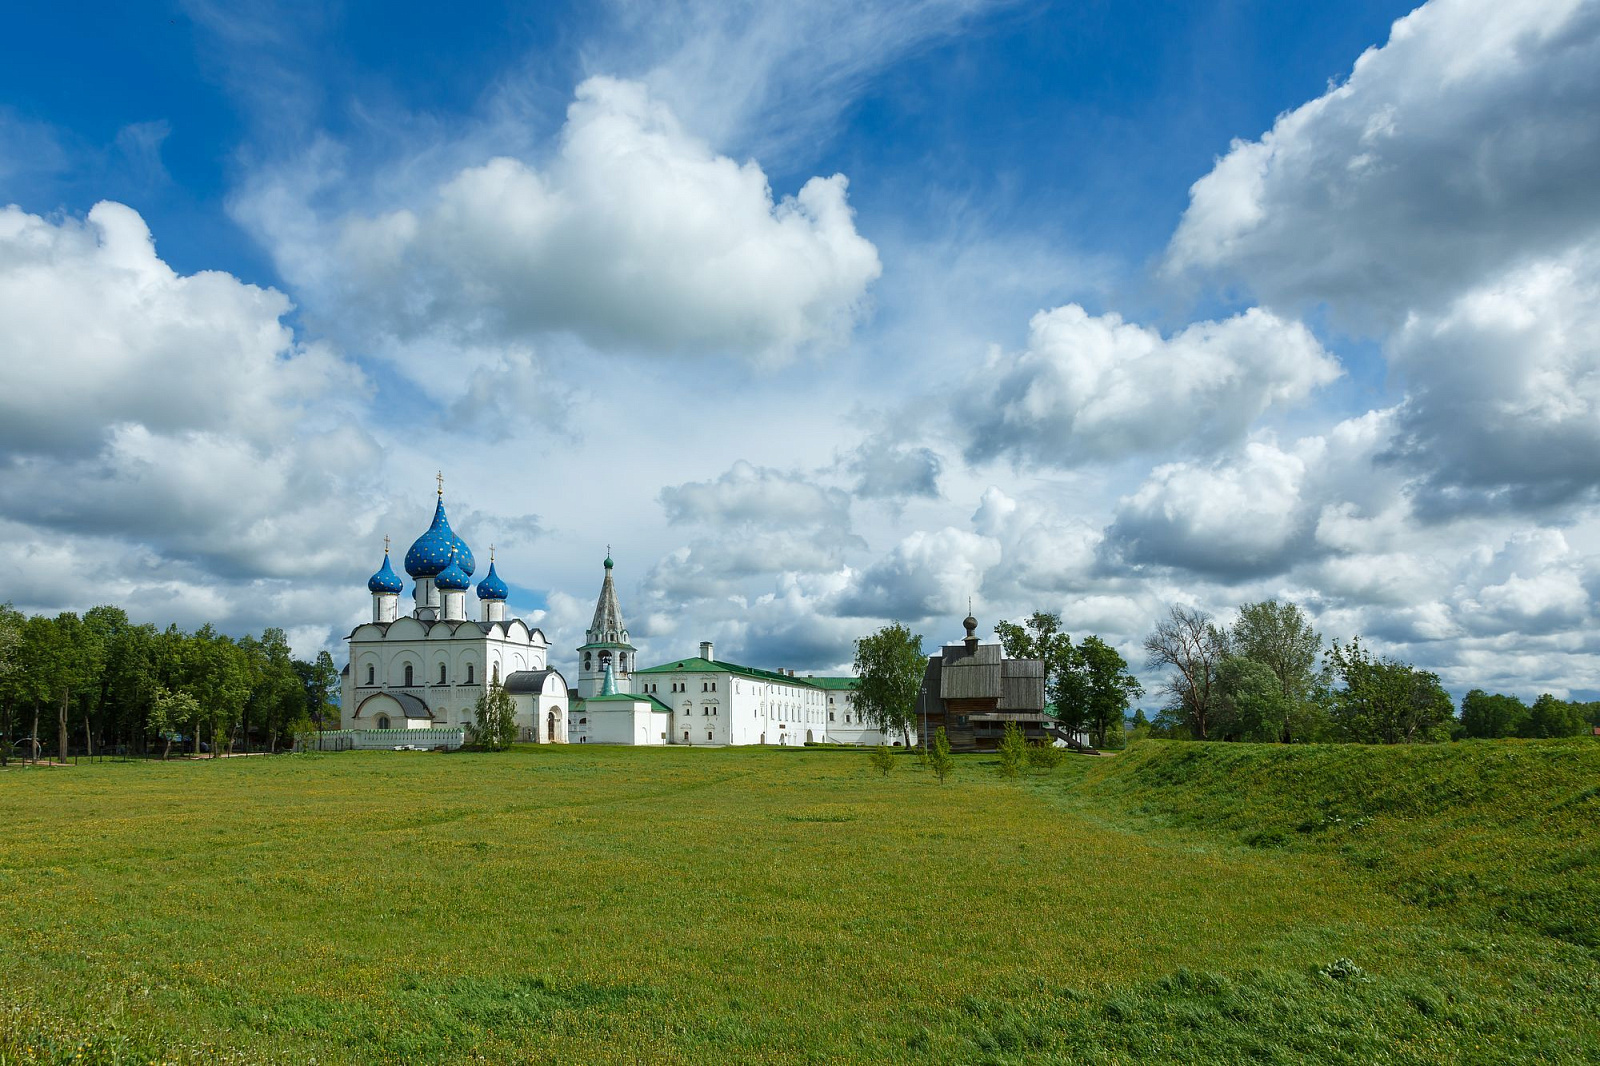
386	544
491	555
440	477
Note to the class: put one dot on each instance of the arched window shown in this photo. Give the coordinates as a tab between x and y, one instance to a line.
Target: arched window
588	660
469	673
496	673
708	734
830	716
441	673
371	670
383	721
408	682
686	736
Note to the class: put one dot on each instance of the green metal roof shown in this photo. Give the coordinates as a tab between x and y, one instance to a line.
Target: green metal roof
629	697
611	644
834	682
707	666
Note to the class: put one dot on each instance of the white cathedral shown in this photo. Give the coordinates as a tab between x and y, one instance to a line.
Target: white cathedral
426	670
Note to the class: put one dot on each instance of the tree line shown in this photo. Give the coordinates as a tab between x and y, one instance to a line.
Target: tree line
1269	678
99	683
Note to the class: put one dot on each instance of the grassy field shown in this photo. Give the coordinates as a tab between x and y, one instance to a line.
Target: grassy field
1176	902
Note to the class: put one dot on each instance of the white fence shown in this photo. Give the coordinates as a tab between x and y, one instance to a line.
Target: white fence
380	740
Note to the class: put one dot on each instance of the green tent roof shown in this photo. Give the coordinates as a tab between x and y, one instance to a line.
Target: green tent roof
629	697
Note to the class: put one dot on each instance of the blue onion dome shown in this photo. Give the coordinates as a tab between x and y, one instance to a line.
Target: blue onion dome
433	550
452	578
491	587
463	555
385	580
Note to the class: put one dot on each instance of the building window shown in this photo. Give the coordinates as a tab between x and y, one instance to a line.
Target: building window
408	680
588	661
686	736
383	721
708	734
497	673
469	673
370	672
441	673
830	716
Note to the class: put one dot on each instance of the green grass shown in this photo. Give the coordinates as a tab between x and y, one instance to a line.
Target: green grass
602	904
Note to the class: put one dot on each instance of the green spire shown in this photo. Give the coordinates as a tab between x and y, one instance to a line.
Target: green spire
609	686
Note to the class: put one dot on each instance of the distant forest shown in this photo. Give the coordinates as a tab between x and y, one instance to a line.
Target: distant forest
100	684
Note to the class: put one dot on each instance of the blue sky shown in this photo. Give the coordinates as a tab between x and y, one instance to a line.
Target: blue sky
824	316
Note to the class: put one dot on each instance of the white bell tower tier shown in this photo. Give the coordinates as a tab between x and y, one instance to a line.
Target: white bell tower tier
606	648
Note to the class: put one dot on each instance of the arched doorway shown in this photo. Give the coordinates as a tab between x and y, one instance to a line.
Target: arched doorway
550	725
808	737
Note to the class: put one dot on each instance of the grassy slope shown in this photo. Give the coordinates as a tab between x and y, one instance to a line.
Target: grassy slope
1496	831
698	905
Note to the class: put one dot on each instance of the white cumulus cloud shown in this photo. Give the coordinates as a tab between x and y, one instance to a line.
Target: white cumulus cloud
1096	387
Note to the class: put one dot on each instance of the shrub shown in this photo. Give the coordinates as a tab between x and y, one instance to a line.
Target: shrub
1045	755
939	760
1013	750
882	759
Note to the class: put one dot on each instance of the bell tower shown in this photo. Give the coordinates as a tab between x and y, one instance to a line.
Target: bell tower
605	650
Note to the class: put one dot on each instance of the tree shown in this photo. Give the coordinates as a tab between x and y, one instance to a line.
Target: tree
1488	717
1254	706
11	621
70	668
1140	727
939	759
890	666
1384	701
277	699
1107	689
168	712
217	675
1280	637
882	758
1188	643
1065	686
1013	750
319	679
1550	717
494	725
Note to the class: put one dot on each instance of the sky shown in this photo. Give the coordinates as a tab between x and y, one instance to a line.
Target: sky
817	316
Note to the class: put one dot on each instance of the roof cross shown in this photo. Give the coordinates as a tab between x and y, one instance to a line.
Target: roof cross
440	478
386	544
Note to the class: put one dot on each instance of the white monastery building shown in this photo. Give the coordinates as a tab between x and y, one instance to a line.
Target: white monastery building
701	699
426	669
